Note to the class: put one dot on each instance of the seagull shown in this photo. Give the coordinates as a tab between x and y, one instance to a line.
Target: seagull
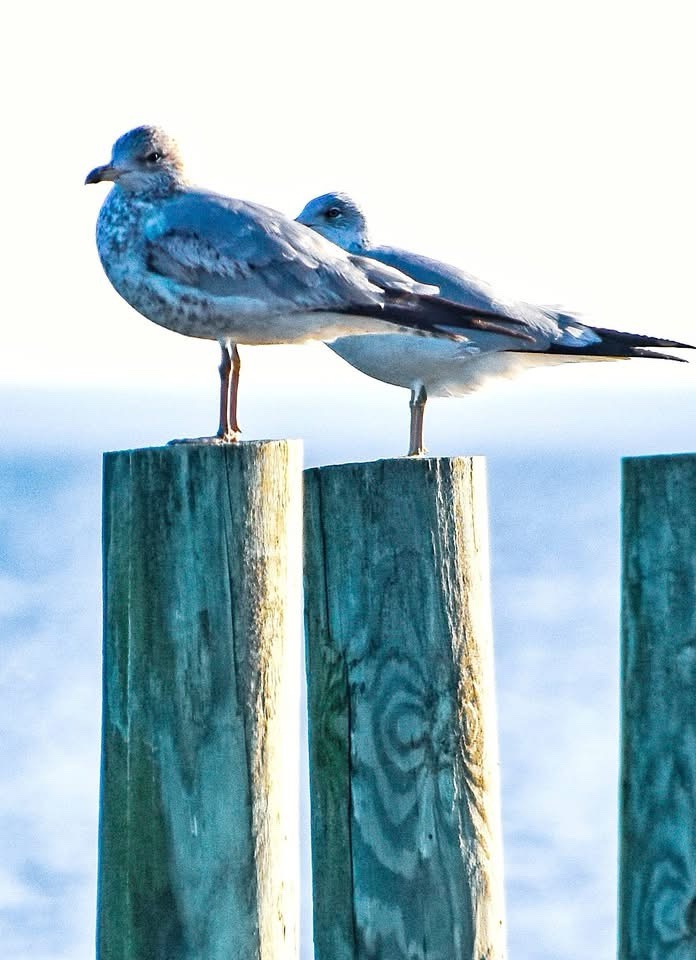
443	368
209	266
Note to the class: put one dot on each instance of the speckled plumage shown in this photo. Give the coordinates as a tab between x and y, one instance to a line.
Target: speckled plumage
209	266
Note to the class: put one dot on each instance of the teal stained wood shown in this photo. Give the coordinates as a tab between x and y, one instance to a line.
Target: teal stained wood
198	852
657	882
406	843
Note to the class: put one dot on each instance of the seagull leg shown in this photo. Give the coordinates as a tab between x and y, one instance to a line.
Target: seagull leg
224	368
417	405
229	385
234	391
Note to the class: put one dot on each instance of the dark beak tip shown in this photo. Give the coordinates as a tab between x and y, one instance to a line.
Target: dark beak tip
98	174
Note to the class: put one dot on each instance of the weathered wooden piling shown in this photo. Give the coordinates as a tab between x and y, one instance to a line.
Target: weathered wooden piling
406	844
198	852
657	862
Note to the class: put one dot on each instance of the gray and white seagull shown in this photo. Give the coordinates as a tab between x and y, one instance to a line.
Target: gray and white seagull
442	368
208	266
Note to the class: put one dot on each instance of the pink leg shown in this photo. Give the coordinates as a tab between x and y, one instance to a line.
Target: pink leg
225	367
234	390
229	385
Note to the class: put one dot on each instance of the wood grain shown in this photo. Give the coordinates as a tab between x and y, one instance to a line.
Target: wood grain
403	740
657	884
198	855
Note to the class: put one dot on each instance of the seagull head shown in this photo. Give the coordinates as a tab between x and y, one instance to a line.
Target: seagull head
338	218
145	158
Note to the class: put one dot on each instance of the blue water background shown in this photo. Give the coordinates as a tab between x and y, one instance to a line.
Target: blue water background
554	520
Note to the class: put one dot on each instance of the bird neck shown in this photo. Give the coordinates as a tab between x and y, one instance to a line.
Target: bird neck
154	188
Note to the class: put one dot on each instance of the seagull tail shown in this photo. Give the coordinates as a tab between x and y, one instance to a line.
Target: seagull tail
615	343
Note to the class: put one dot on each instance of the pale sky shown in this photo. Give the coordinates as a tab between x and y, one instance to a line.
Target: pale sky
546	146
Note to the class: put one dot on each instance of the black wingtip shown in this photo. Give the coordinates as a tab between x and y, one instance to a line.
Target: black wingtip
653	354
642	340
620	351
430	314
617	343
455	314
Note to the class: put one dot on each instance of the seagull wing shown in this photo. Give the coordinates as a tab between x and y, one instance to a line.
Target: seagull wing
392	279
233	249
521	321
269	264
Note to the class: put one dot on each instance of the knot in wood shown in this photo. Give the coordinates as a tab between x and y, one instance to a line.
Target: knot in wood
690	917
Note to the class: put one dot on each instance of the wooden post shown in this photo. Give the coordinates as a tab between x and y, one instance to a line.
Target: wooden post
657	863
198	851
406	843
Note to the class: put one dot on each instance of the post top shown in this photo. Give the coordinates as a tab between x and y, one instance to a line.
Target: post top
185	448
407	466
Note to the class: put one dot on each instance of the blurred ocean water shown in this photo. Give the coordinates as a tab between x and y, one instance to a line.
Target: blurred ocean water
554	532
50	596
553	446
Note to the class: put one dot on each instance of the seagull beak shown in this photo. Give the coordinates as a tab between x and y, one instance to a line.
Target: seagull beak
107	172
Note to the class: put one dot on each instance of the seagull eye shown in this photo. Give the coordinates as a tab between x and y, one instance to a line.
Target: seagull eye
153	157
333	212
